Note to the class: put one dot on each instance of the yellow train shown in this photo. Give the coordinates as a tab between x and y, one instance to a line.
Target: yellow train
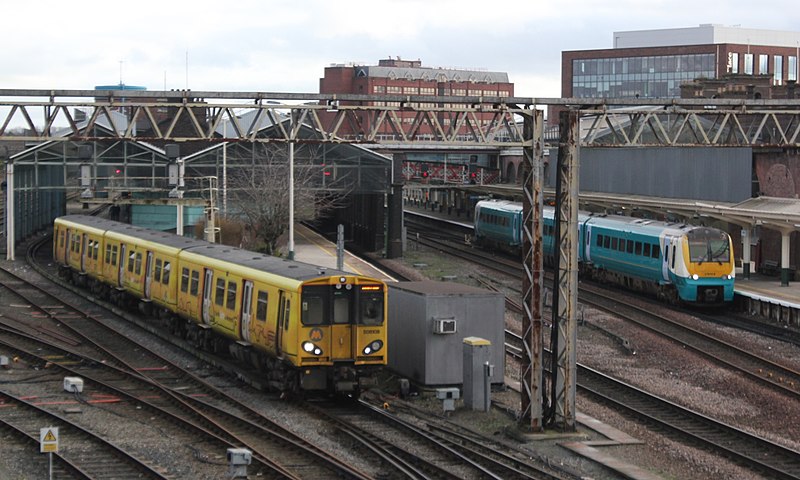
306	328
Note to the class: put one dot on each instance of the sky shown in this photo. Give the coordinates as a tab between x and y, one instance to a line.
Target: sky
271	46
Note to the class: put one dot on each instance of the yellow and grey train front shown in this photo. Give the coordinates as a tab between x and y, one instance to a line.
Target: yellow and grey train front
343	329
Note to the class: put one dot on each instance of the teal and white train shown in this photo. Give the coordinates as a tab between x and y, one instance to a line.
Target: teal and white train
678	262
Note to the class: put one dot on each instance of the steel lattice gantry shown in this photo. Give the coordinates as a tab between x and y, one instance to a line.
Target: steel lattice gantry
193	116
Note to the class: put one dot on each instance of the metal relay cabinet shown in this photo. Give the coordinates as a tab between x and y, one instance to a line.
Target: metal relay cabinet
428	322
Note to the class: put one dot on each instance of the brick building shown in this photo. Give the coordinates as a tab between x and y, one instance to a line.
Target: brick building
395	76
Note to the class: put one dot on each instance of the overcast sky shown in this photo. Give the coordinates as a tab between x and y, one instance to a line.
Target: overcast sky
284	46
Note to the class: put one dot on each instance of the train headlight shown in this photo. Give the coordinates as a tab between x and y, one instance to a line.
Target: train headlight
727	277
695	277
309	347
373	347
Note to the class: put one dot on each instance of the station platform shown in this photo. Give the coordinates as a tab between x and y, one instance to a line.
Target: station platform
311	247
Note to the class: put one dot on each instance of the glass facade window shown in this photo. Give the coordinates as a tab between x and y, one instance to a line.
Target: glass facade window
647	77
791	72
778	70
748	63
763	64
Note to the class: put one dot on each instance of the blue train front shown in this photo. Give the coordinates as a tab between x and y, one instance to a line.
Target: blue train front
676	262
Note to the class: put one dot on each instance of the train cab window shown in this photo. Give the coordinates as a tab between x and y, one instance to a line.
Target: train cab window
195	283
165	274
261	306
371	302
342	300
638	248
138	263
231	300
646	251
131	260
184	280
114	255
157	276
614	243
219	296
314	305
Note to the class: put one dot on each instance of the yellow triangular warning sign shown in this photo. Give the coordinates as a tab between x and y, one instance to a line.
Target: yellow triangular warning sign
49	437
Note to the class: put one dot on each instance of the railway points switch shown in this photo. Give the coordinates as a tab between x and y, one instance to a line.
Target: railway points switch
73	384
238	460
448	396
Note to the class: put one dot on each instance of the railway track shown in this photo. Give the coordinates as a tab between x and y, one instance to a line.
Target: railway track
426	449
757	453
134	372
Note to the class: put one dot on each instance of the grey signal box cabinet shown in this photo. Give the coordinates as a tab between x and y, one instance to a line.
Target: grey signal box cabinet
428	322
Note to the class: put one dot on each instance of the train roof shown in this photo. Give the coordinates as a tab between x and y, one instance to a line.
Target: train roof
259	261
641	225
503	205
287	268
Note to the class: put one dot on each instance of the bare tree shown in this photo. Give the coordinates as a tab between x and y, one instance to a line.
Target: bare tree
259	193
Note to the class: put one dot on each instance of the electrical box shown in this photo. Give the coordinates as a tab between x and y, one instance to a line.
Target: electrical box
427	323
442	326
73	384
239	456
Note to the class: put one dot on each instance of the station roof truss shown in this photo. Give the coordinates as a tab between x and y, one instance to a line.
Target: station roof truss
186	116
131	165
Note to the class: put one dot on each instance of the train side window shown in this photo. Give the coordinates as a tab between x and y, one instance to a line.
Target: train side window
61	238
614	243
195	283
646	251
231	301
261	306
599	242
131	261
638	248
157	276
96	250
114	255
219	296
165	275
630	246
656	252
138	263
606	241
286	311
108	253
673	256
184	280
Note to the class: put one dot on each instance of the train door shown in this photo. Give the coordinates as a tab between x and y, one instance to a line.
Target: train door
247	306
669	253
148	275
208	288
342	324
587	252
283	317
67	246
83	253
123	251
